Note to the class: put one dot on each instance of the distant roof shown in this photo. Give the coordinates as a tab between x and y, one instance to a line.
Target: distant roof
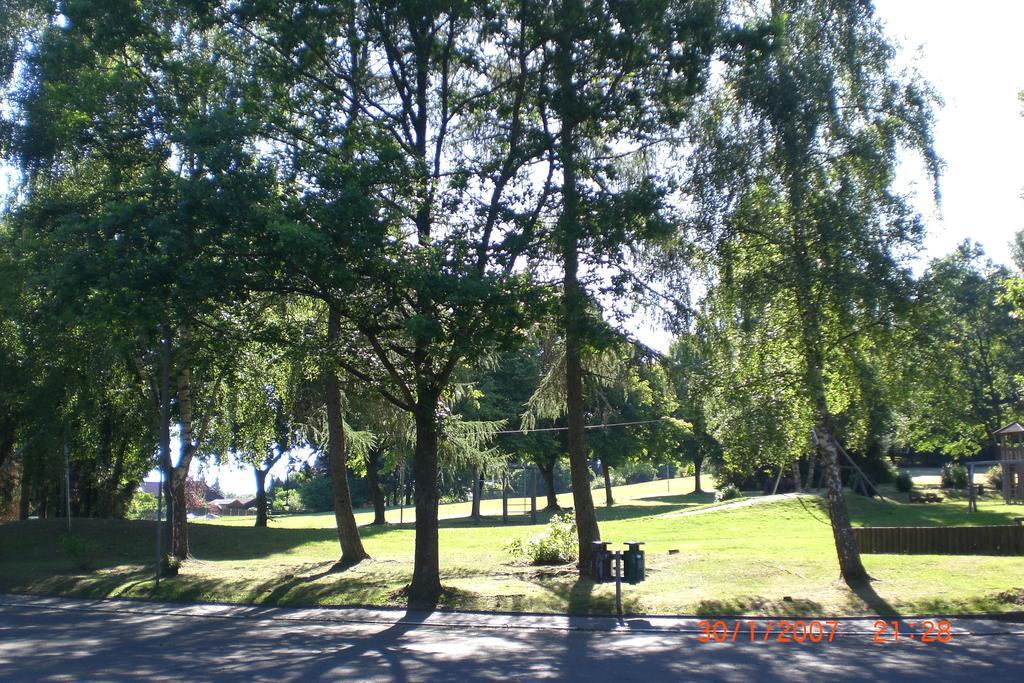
225	501
151	487
1012	428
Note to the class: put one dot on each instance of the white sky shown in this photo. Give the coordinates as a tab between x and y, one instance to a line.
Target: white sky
972	53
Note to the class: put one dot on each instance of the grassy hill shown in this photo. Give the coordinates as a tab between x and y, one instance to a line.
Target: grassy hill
771	558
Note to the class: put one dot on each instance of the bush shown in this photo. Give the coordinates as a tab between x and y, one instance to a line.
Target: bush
446	498
885	472
995	477
904	482
287	500
555	545
82	552
727	492
142	506
637	473
315	494
954	476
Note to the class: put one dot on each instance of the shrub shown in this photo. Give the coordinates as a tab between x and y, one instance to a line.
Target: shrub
454	498
315	494
287	500
995	477
142	506
82	552
954	476
727	492
886	472
637	473
555	545
904	482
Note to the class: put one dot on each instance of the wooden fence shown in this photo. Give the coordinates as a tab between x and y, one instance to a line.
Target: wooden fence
958	540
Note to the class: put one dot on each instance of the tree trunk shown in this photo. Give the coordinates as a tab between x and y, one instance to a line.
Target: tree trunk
179	519
113	506
373	480
607	484
573	297
475	505
547	472
796	477
850	566
11	477
26	493
697	464
425	589
261	496
178	513
352	550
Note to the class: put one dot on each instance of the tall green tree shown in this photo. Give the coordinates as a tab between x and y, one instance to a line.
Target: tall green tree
964	376
410	236
621	77
805	142
132	160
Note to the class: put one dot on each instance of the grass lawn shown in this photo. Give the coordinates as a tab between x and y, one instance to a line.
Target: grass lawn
772	558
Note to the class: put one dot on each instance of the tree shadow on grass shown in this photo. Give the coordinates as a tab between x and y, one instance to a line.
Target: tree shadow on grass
757	605
868	597
654	505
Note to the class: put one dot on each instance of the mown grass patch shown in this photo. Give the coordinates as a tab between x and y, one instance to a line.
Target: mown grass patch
774	558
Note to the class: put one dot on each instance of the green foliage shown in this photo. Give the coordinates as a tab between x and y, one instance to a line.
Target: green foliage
287	501
557	544
904	482
143	506
994	477
315	494
965	375
727	492
83	552
637	472
954	476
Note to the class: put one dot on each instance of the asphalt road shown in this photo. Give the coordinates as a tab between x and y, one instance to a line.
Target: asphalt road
53	639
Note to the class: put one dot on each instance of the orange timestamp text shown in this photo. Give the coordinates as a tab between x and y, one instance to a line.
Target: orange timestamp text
783	631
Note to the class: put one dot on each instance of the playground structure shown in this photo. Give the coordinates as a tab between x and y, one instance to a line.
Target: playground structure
519	492
1010	445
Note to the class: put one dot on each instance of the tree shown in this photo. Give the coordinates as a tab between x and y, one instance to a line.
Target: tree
689	368
621	75
505	386
642	393
263	413
410	237
804	143
125	130
963	381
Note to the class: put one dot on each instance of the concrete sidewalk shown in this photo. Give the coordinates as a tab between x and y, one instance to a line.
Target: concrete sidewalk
848	626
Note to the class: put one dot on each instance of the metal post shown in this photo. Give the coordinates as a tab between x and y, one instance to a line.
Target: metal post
401	494
504	498
972	504
533	496
618	585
